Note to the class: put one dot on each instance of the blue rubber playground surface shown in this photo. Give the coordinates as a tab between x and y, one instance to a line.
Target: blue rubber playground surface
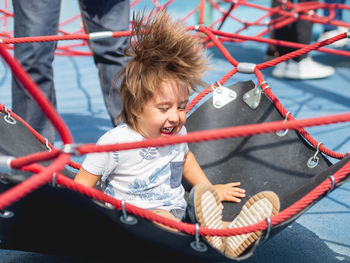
321	234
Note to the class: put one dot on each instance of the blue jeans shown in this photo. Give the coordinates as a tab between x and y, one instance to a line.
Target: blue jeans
40	18
299	31
337	16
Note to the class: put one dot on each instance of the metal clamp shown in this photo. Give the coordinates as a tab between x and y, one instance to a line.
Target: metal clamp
8	118
69	148
125	218
196	27
284	132
5	164
313	160
198	245
246	68
100	35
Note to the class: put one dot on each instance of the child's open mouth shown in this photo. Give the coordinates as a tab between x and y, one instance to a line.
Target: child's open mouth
167	130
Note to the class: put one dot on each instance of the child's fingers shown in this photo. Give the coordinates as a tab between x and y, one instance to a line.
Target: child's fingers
233	199
233	184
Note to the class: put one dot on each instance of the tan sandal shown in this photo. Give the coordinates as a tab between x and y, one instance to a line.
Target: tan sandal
256	209
208	211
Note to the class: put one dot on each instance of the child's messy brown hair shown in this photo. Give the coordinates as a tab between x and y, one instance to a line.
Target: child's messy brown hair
161	50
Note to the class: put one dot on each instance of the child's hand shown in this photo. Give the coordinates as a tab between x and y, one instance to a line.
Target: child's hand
230	192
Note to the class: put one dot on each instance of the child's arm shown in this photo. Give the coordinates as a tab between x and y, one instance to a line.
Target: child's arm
86	178
194	174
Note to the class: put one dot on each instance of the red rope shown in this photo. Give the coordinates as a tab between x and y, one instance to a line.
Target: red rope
223	133
21	161
190	228
23	77
21	190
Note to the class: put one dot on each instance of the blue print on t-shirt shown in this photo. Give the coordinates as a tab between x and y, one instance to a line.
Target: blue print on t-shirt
140	185
176	174
109	190
143	188
149	153
116	157
174	149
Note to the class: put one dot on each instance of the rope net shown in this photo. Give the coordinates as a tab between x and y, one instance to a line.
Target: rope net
212	36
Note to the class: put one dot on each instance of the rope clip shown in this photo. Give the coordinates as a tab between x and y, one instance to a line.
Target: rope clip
125	218
284	132
313	161
268	230
47	145
331	177
8	118
197	245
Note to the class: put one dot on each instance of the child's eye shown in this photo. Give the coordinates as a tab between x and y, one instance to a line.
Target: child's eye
163	109
182	107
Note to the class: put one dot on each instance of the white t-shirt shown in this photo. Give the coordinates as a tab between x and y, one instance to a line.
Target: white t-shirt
147	177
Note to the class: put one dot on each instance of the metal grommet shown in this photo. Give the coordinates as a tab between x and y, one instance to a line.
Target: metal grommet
6	214
284	132
333	184
197	244
125	218
268	230
8	118
313	160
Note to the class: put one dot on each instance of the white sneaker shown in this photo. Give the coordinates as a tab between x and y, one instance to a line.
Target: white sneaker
279	70
328	34
304	69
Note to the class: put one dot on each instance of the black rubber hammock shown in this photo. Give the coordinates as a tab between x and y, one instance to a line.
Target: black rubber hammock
60	221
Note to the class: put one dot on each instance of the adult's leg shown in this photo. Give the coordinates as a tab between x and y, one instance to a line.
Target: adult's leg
107	15
337	16
35	18
300	32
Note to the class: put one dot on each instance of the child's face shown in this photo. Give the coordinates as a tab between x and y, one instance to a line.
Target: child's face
165	113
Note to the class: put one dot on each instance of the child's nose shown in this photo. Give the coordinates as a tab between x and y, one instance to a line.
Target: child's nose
174	116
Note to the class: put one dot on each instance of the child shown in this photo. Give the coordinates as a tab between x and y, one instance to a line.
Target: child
167	64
